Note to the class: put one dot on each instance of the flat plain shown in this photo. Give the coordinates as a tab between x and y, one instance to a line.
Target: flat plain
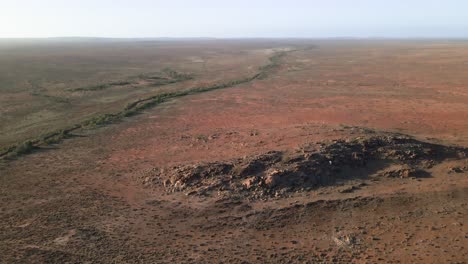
238	151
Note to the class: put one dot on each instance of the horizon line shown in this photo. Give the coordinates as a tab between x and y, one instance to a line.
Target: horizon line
231	38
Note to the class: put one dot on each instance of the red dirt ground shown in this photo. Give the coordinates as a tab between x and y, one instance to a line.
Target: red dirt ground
82	201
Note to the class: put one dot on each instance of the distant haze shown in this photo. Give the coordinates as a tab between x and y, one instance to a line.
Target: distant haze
234	19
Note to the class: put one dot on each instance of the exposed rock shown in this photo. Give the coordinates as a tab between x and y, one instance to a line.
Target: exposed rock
249	182
272	178
275	173
458	169
404	171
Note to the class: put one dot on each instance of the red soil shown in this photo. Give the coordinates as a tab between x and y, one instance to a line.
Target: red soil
82	202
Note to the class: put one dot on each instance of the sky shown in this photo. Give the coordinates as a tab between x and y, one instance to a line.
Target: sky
234	18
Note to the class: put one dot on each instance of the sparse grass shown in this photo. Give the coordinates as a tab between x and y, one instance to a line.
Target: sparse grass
134	108
56	99
167	76
237	169
287	157
176	75
274	63
55	138
24	148
101	86
201	137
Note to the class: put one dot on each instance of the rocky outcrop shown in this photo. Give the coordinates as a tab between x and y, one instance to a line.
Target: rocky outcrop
311	166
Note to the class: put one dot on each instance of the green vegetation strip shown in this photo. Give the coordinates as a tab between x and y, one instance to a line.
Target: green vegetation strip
101	86
133	108
168	76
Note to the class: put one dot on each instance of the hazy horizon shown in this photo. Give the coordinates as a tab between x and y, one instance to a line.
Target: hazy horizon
240	19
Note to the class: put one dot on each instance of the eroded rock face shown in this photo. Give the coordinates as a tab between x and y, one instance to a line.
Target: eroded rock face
402	171
311	166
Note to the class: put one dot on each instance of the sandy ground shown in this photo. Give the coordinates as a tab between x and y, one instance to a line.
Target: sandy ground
81	201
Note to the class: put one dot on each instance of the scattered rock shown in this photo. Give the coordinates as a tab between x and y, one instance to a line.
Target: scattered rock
402	171
272	178
277	173
249	182
458	169
345	241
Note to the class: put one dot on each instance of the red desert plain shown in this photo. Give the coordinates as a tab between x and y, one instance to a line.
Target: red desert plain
234	151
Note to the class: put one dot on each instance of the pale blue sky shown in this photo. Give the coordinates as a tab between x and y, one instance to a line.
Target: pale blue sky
234	18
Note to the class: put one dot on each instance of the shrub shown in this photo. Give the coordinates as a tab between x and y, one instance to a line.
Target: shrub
24	148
